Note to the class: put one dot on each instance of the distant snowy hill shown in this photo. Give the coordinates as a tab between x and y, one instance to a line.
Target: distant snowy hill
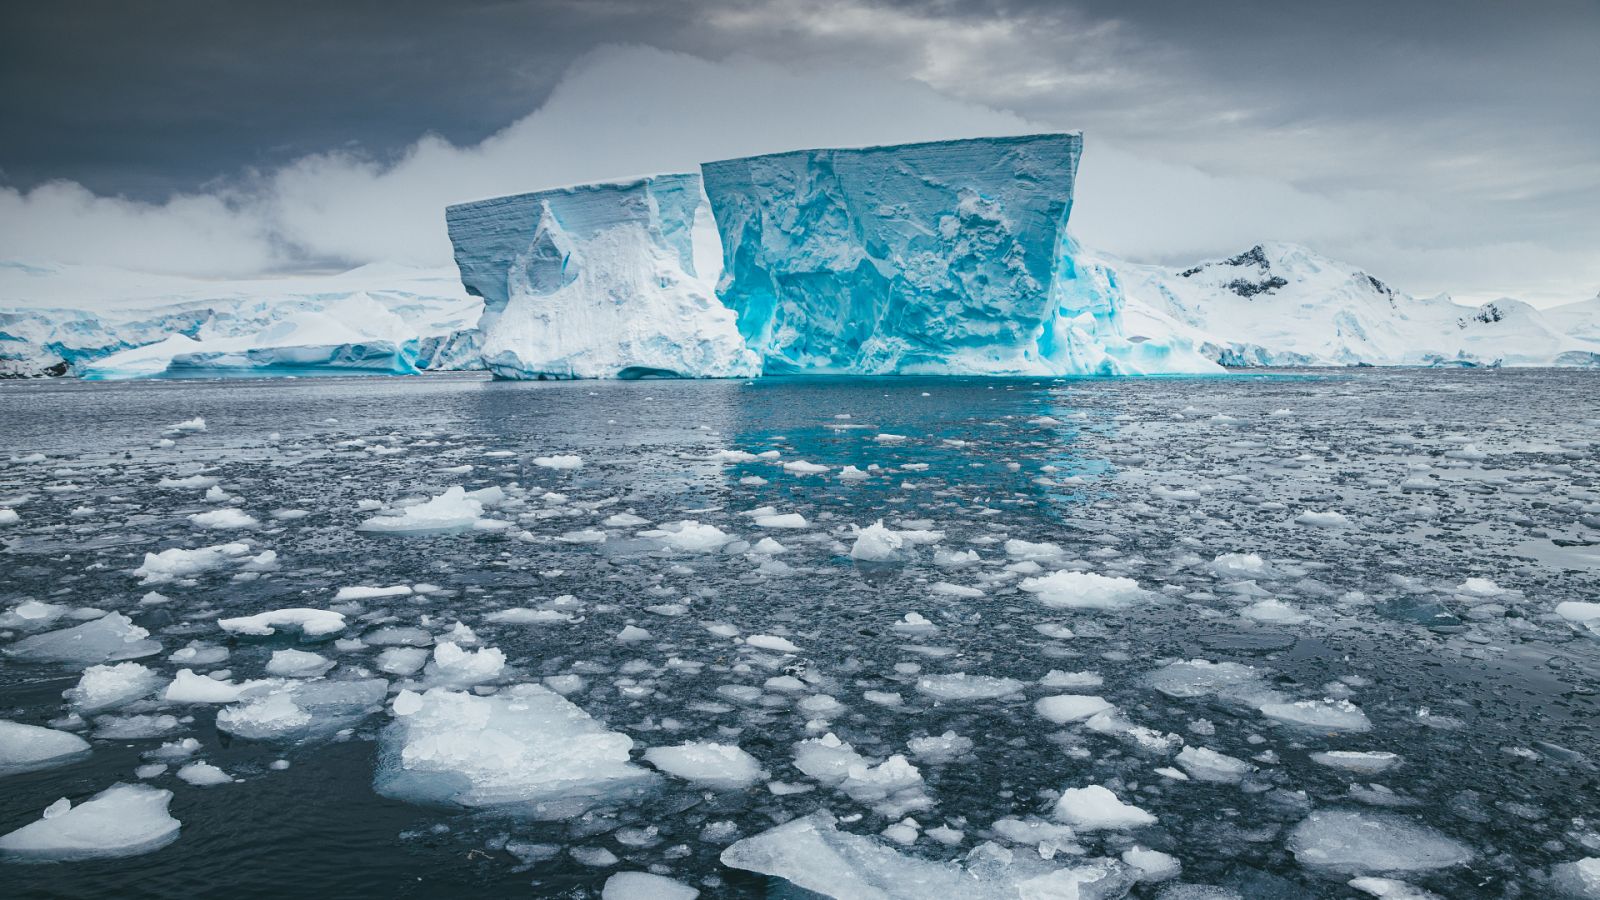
109	323
1280	304
1275	304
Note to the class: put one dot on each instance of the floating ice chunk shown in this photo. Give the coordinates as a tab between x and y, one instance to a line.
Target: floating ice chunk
303	710
522	615
29	748
290	663
1579	613
1356	842
122	820
959	686
1328	714
914	624
954	559
1322	519
877	543
1054	631
102	687
1094	808
1152	865
188	426
1200	678
624	520
645	886
402	660
187	687
787	520
360	592
525	748
689	536
9	516
110	638
801	467
1240	565
223	519
1056	678
1043	552
170	565
1085	590
633	634
310	622
1391	889
1065	708
203	774
955	590
1204	764
454	667
134	728
1367	762
1579	880
1274	611
771	642
453	510
32	615
566	462
939	748
812	854
191	482
723	767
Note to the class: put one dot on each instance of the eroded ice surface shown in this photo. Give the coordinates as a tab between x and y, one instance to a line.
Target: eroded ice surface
947	257
596	281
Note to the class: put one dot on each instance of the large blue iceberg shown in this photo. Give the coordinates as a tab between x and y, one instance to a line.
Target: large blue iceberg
596	281
949	257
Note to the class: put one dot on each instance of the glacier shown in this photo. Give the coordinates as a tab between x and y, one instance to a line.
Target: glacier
949	257
106	323
596	281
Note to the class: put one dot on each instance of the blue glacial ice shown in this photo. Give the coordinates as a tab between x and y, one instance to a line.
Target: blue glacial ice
940	258
596	281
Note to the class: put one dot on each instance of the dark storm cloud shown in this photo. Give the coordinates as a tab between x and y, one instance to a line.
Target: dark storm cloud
1449	144
147	98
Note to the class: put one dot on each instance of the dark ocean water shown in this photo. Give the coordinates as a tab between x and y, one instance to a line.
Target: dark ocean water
1435	477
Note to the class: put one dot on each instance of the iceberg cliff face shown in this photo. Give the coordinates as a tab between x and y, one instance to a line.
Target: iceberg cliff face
948	257
596	281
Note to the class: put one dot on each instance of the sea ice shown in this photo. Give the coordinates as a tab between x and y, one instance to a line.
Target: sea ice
310	622
526	749
1327	714
291	663
1085	590
689	536
223	519
959	686
105	686
723	767
1095	808
122	820
645	886
1204	764
1356	842
29	748
176	563
1065	708
453	510
110	638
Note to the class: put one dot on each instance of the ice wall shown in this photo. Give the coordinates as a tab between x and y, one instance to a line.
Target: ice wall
596	281
949	257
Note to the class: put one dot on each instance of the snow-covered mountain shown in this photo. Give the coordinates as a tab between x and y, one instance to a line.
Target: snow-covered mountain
101	322
1280	304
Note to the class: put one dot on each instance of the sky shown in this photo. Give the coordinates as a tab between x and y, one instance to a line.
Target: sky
1443	145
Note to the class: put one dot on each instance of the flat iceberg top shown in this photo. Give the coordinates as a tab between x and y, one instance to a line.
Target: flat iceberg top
929	147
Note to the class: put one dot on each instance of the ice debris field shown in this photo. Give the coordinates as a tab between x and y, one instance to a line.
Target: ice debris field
1265	637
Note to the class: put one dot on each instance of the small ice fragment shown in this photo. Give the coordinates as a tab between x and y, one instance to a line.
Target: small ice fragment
719	766
1065	708
1094	808
122	820
645	886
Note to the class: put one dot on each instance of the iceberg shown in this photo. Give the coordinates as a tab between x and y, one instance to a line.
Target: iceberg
596	281
941	258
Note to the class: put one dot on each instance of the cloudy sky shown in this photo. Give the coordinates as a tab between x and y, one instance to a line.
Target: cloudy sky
1446	145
